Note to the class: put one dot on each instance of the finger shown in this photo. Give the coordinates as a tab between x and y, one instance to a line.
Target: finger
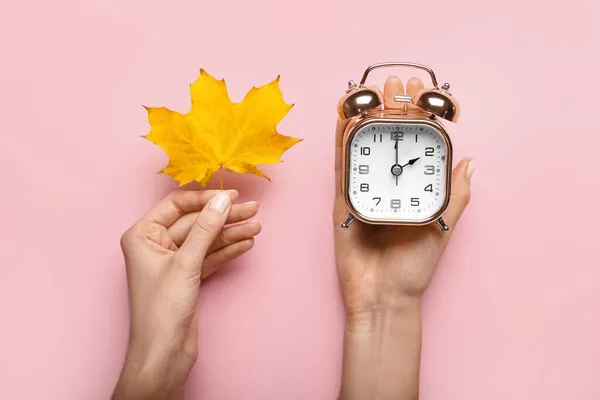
179	203
413	87
205	230
239	212
393	87
461	191
234	234
215	260
339	138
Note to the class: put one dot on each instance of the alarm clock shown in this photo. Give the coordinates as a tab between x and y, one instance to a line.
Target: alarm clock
397	161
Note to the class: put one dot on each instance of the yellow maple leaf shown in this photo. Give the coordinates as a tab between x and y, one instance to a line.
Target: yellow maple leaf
217	133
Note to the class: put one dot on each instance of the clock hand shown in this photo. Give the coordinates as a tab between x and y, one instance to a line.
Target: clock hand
397	168
411	162
396	147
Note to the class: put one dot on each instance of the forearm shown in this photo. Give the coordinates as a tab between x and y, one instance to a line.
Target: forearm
382	350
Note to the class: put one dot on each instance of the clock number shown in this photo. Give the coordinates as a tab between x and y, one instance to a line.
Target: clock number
429	170
429	188
416	138
414	202
364	187
397	135
365	151
378	200
395	203
429	151
363	169
375	137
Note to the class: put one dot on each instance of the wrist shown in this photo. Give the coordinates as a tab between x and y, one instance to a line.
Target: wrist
382	352
147	374
370	316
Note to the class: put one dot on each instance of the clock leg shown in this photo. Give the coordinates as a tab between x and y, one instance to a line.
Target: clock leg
443	225
349	219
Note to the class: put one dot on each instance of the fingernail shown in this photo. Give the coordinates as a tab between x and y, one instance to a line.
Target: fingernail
470	169
251	202
415	84
255	223
220	202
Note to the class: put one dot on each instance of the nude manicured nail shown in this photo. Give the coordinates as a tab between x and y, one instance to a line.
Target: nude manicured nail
470	169
220	202
413	86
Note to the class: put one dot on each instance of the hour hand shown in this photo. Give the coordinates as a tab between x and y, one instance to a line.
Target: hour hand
411	162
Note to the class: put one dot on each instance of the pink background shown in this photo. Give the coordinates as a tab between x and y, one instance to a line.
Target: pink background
513	310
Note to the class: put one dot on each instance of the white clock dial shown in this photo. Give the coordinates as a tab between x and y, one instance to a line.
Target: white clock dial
397	171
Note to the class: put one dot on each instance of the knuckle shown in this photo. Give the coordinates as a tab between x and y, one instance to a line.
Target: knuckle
225	237
173	200
182	258
173	195
126	237
465	198
205	225
140	231
151	231
220	257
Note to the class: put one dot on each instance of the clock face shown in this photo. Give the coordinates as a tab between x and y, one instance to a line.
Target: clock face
398	171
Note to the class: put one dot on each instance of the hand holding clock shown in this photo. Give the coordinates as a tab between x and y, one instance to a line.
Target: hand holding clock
383	272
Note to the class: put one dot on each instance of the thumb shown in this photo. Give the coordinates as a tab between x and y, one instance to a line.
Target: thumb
205	230
461	191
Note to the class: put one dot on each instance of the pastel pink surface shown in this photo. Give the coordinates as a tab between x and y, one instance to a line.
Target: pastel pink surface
512	312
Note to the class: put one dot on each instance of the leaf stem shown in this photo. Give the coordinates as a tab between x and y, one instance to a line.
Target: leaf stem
221	174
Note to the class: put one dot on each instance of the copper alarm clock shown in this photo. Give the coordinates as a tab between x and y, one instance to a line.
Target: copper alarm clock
397	161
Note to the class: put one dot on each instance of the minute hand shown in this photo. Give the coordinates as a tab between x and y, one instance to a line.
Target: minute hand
397	151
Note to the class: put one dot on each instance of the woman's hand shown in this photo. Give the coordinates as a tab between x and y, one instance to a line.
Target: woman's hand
383	273
167	254
380	266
